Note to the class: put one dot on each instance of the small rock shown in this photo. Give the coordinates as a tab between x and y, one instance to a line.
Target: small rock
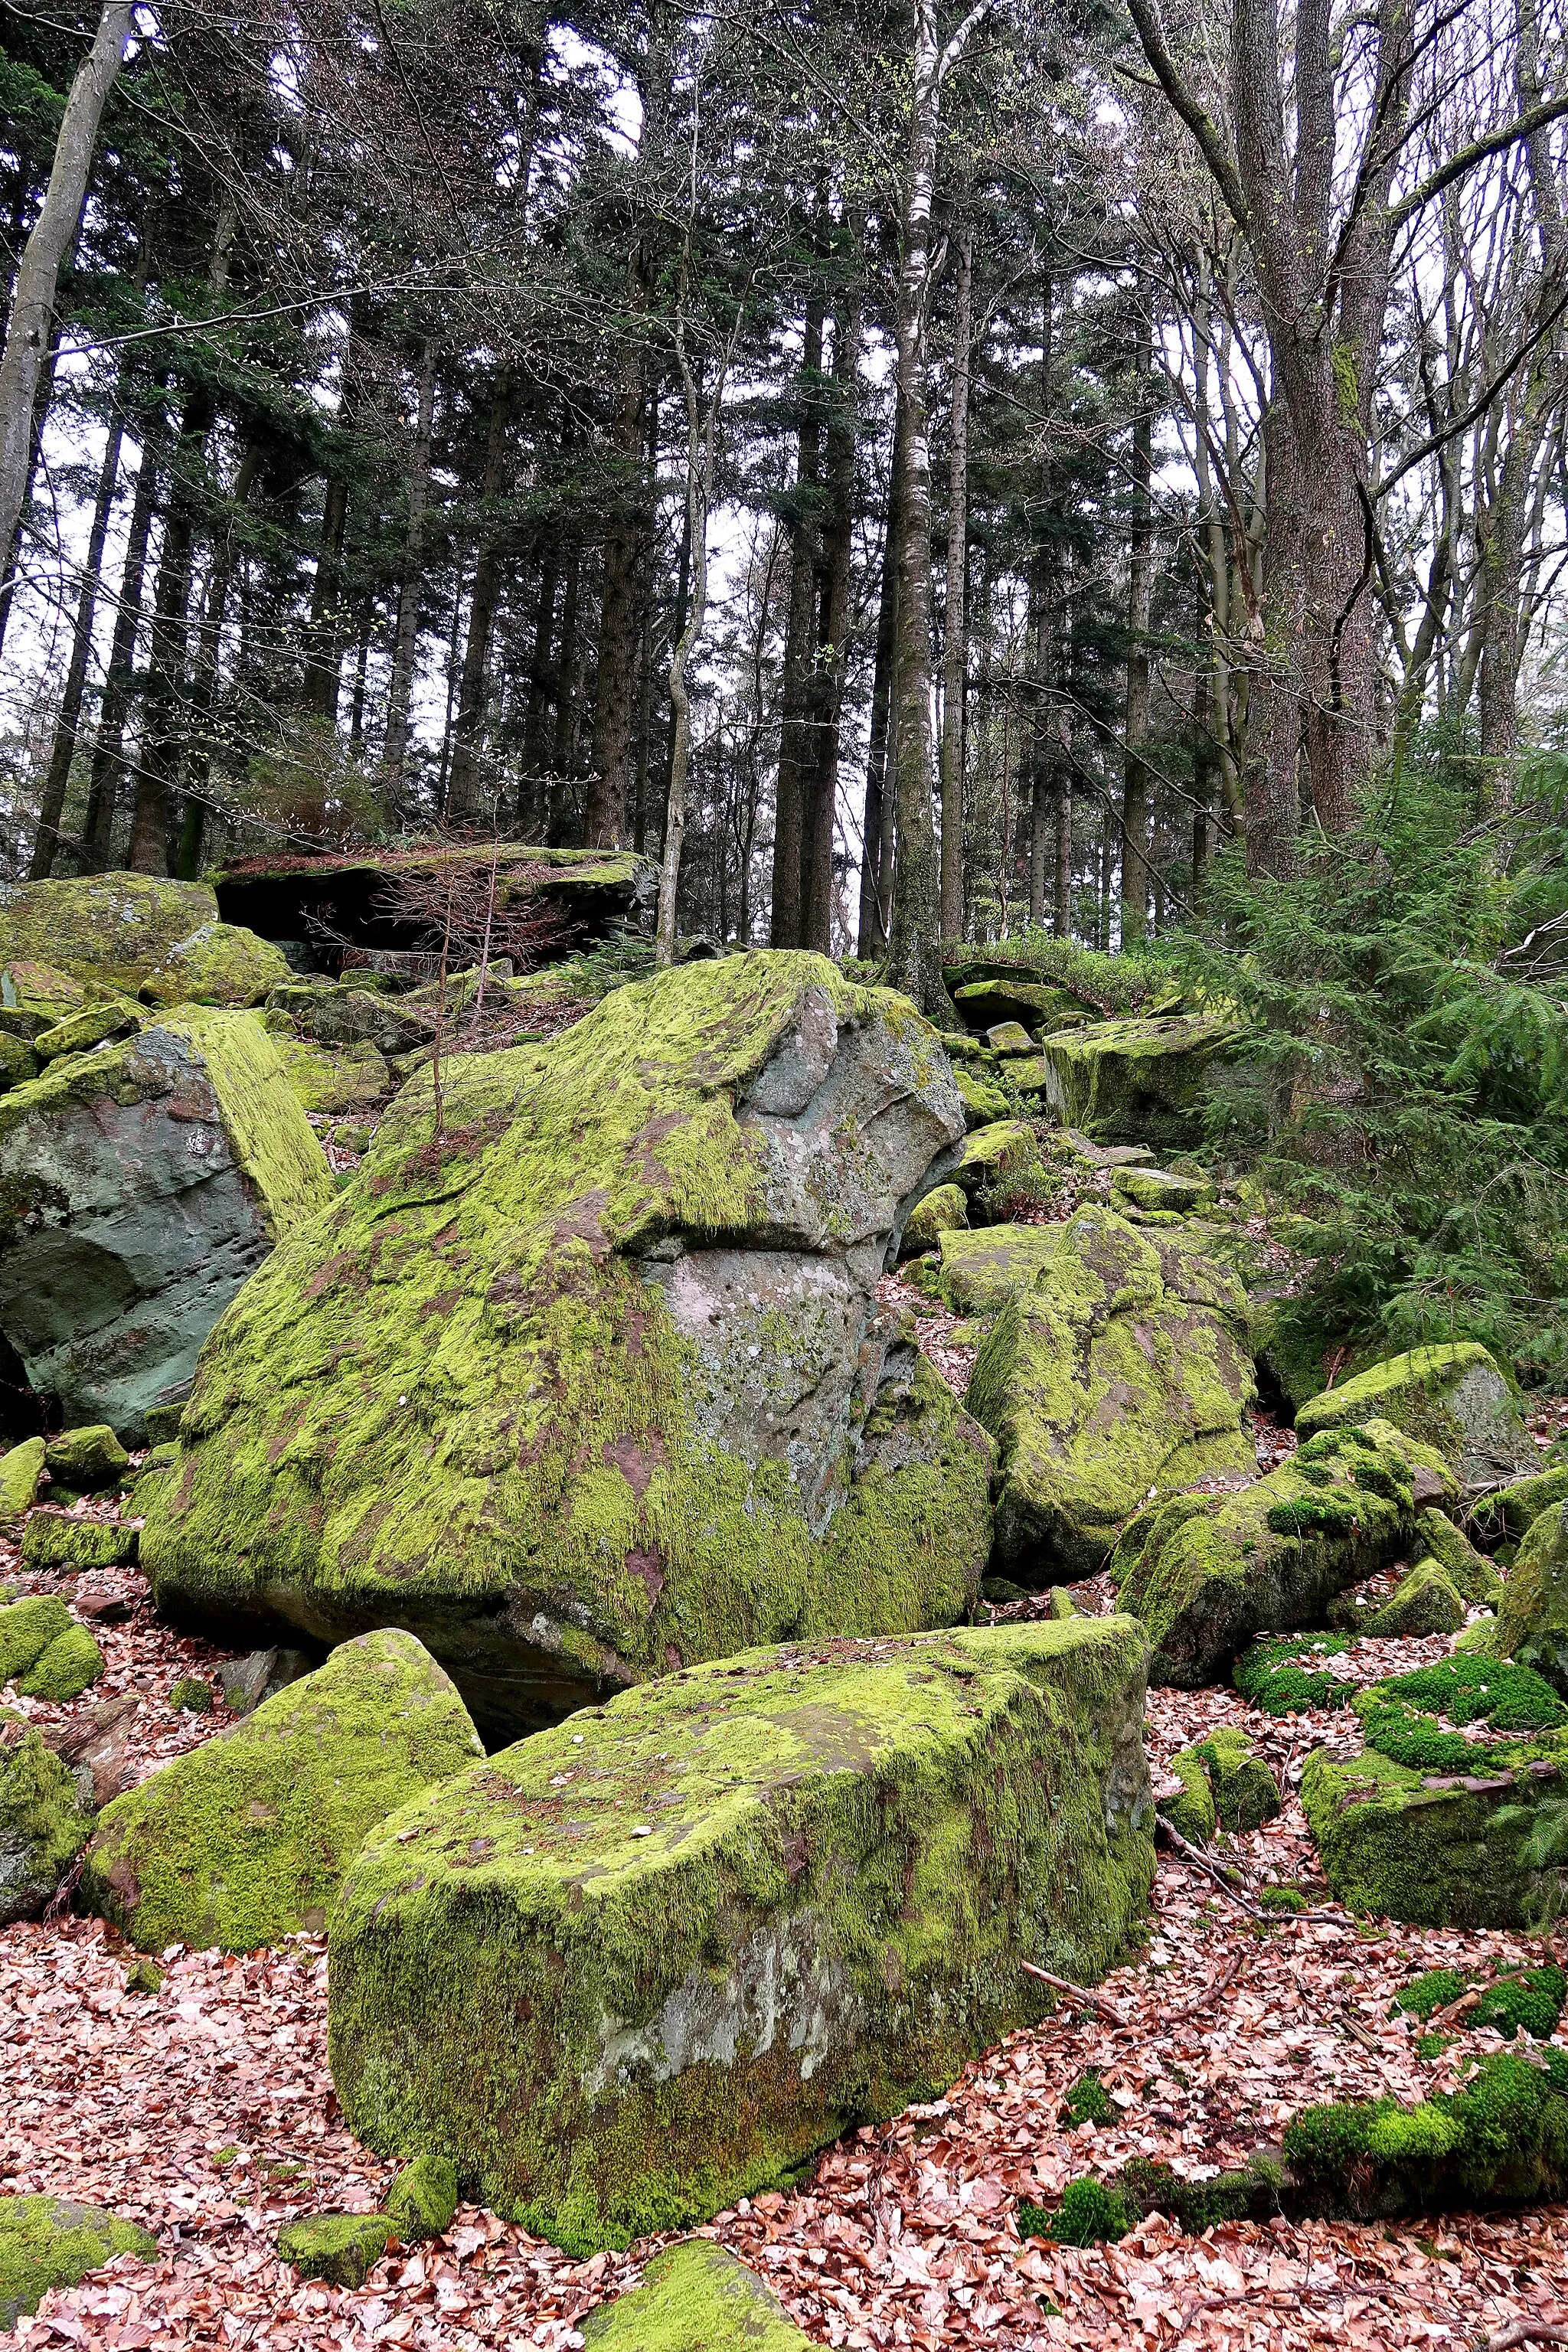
423	2198
71	1664
143	1976
26	1629
88	1459
246	1682
48	2241
1425	1601
54	1539
942	1211
42	1830
1009	1037
341	2248
191	1695
98	1752
1186	1801
80	1031
698	2295
20	1471
1157	1188
1246	1793
101	1604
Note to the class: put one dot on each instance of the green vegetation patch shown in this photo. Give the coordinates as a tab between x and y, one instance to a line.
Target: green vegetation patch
43	1823
1282	1677
1088	2101
49	2241
1502	2138
341	2248
26	1629
695	2297
1532	1614
1435	1849
647	1962
72	1662
1527	2002
1424	1995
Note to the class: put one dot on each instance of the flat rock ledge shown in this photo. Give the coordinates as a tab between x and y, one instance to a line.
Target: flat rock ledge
647	1962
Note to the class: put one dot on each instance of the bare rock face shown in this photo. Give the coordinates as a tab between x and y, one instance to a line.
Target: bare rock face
593	1383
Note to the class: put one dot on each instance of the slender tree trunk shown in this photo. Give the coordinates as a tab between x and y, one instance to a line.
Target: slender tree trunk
876	865
63	748
541	683
701	429
954	634
29	327
400	691
563	764
832	650
204	738
1135	769
468	796
800	635
107	774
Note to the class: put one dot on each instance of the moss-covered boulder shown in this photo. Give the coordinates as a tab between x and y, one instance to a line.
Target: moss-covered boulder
597	1383
1121	1371
244	1840
1009	996
995	1161
943	1209
1469	1572
139	1187
1138	1080
63	1540
72	1663
423	2198
341	2248
140	935
1189	1807
332	1079
21	1468
1426	1600
42	1825
48	2241
1500	2139
26	1629
348	1015
1454	1398
1533	1614
984	1100
78	1033
1509	1514
1207	1573
981	1271
646	1962
87	1459
695	2297
1162	1189
1246	1793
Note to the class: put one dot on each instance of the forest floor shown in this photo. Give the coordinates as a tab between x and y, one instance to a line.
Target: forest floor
206	2111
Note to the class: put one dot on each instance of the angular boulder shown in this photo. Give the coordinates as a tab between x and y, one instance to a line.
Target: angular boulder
1425	1601
981	1271
1470	1572
695	2297
163	940
88	1459
943	1209
1509	1515
1533	1614
994	1161
645	1963
1246	1793
244	1840
597	1383
43	1825
26	1629
1123	1371
47	2242
1454	1398
1138	1080
20	1471
139	1187
1207	1573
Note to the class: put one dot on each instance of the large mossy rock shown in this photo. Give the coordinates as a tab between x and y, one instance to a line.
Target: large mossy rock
1511	1513
980	1271
597	1385
1121	1371
1207	1573
1454	1398
1436	1849
42	1825
1139	1081
161	941
695	2297
139	1186
1533	1612
644	1963
48	2241
244	1840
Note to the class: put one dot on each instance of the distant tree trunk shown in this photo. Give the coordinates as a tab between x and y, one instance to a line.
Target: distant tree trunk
1042	732
875	861
1135	767
63	748
542	678
400	691
468	794
107	772
562	762
29	327
323	657
954	634
800	633
204	698
832	649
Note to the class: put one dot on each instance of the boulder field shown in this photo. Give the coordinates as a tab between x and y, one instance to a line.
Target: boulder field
644	1963
591	1381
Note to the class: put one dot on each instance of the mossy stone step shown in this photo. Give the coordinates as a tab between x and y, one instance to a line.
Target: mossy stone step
981	1270
695	2297
644	1963
42	1825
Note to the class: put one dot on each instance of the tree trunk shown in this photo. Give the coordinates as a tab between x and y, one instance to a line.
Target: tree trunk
165	706
205	700
832	648
1135	768
954	636
29	326
63	748
107	774
470	790
800	636
563	763
541	683
400	691
701	429
876	839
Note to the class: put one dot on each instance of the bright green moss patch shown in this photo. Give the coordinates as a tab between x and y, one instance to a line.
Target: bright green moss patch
1502	2138
1511	1513
647	1962
1088	2102
55	1541
1424	1601
43	1824
1192	1813
1246	1793
981	1270
1283	1678
1502	1696
1454	1398
26	1629
245	1839
1424	1995
48	2241
695	2297
1090	2214
191	1696
71	1663
423	2198
1532	1614
1530	2001
20	1470
1281	1898
341	2248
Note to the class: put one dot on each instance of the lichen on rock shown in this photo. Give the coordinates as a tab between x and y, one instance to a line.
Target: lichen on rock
1533	1614
1454	1398
1142	1080
138	933
244	1840
646	1962
595	1383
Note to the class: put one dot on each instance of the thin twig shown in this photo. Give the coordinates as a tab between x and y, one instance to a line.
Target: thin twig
1075	1993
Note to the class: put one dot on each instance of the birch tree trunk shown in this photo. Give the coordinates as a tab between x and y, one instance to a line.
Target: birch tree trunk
394	747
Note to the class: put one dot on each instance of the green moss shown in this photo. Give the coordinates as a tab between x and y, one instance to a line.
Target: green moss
943	1209
332	1079
42	1823
266	1130
245	1839
1511	1513
218	963
1433	1849
1430	2047
1281	1898
1532	1614
71	1663
1530	2001
1424	1601
647	1962
1088	2102
1282	1676
20	1470
78	1033
1502	2138
1144	2187
1472	1575
695	2297
50	2241
1090	2214
113	929
191	1696
981	1271
1137	1081
26	1629
1193	1813
423	2198
341	2248
1208	1573
1454	1398
996	1162
1424	1995
88	1459
1246	1793
983	1101
54	1541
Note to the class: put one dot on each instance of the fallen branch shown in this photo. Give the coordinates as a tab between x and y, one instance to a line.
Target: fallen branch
1358	2033
1455	2011
1200	1861
1074	1993
1526	2331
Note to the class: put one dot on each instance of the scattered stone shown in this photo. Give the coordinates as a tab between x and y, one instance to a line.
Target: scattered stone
18	1063
1424	1601
1001	1591
351	1138
1189	1806
246	1681
95	1025
695	2297
20	1471
1136	1080
333	1079
1532	1614
244	1840
163	1422
87	1460
1511	1513
101	1604
48	2241
26	1629
71	1664
1454	1398
132	932
191	1695
1209	1572
423	2198
341	2248
1158	1187
1246	1793
638	1965
139	1187
144	1976
1121	1372
983	1100
1009	1037
56	1542
943	1210
43	1825
599	1382
993	1159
